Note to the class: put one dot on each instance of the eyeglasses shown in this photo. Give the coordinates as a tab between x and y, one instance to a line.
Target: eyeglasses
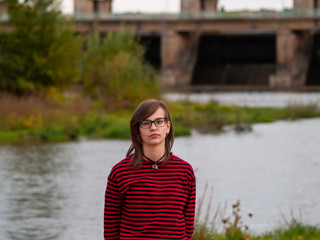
159	122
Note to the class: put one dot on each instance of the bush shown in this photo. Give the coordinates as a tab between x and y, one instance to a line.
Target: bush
115	72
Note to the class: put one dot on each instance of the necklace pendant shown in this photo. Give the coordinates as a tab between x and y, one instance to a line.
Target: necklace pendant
155	167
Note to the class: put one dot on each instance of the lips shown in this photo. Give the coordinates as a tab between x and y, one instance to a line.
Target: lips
154	135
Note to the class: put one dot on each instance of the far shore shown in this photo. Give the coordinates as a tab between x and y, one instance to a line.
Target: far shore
32	120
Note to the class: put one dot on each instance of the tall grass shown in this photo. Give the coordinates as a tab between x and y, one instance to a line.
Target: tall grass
35	119
296	111
34	112
233	228
294	230
207	227
213	117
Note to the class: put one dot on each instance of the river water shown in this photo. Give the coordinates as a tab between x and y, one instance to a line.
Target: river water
251	99
56	191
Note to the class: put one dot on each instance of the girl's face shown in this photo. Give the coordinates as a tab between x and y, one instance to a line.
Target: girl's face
154	135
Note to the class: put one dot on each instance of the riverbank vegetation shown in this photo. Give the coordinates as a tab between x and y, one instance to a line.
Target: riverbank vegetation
222	227
69	117
294	230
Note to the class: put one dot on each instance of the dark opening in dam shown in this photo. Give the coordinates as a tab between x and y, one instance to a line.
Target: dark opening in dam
235	59
152	45
313	77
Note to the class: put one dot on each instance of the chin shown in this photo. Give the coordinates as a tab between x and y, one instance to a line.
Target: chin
154	142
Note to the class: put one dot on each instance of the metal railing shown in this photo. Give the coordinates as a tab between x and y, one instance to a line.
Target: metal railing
264	13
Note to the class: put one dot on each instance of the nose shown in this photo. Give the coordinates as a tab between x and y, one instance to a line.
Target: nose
153	125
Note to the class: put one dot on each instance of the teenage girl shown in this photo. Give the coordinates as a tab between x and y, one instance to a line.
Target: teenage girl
151	193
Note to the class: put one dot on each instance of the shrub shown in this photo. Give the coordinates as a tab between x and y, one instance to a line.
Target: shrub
115	72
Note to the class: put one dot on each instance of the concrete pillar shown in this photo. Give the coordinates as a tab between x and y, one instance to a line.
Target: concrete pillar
87	6
179	56
303	4
105	6
293	59
3	8
302	57
284	49
83	6
190	5
210	5
198	5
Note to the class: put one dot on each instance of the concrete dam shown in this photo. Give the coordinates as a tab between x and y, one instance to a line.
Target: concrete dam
236	59
204	46
201	46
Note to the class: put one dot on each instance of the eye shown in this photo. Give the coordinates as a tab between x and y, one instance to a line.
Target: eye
159	121
145	123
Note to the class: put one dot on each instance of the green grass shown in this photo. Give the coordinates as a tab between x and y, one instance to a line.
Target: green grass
233	227
212	117
11	137
294	231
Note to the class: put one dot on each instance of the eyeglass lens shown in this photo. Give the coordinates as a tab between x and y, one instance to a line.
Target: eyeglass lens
159	122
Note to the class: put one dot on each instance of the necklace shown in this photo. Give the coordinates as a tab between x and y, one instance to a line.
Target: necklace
155	163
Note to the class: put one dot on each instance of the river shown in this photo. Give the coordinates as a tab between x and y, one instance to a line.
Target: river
56	191
251	99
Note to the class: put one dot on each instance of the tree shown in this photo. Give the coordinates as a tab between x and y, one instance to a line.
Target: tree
41	51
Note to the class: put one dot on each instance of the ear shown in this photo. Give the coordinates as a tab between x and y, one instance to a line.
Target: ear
168	126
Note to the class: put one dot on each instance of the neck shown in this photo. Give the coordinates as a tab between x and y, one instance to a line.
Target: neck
153	153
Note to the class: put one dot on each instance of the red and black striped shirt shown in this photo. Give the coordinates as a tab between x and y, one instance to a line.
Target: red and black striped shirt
144	204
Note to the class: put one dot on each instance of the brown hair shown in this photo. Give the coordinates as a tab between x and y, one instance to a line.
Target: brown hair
143	111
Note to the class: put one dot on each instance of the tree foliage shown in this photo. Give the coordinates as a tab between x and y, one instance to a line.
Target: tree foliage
41	51
115	72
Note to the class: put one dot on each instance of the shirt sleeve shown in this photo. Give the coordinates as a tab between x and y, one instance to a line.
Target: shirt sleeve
189	209
112	211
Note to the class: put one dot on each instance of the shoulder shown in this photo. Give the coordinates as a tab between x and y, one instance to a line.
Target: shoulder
176	160
184	165
121	167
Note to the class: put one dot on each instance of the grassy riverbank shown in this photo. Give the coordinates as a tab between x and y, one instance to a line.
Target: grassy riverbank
57	119
221	227
292	231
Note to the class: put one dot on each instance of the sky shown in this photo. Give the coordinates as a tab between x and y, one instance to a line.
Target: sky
154	6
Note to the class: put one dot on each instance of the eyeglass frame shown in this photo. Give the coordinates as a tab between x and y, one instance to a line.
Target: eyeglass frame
154	121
